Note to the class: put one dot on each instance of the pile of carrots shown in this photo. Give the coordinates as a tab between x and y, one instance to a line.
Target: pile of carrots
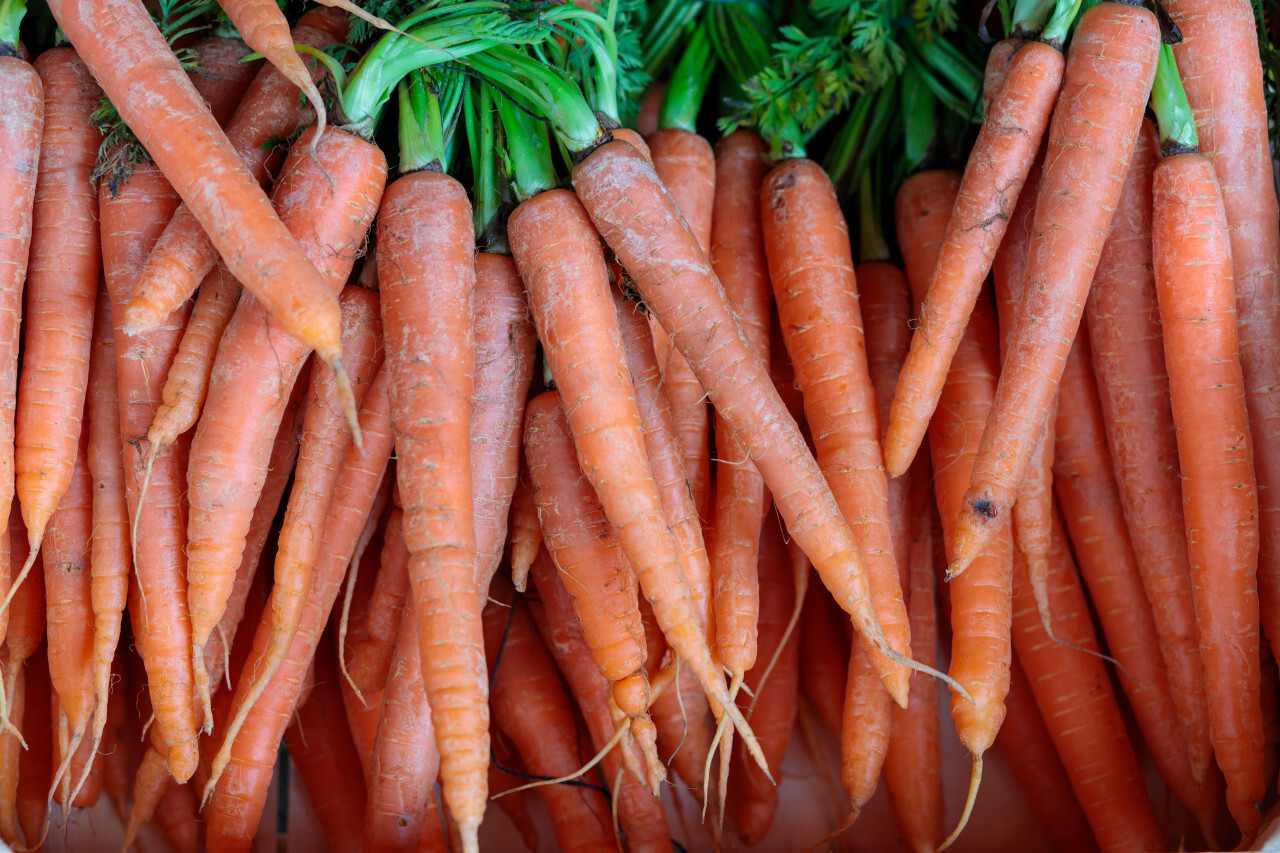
621	459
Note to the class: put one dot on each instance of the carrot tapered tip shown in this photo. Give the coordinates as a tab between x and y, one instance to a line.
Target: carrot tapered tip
347	400
899	450
980	520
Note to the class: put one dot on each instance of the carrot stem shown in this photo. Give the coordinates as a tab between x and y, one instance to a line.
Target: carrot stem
683	98
1055	34
11	15
1173	111
427	118
1030	16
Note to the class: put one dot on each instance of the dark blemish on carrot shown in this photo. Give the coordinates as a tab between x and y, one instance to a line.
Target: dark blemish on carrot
986	508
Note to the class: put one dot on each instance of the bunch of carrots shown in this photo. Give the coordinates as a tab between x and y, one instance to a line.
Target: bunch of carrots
593	400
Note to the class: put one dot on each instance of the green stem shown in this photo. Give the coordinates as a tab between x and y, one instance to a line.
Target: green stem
848	142
872	245
689	81
664	33
1029	17
528	151
1169	102
11	14
484	144
1064	15
428	115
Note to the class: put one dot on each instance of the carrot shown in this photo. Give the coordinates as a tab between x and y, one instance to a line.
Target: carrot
370	657
1087	491
647	121
1027	747
271	110
1222	76
405	759
10	755
427	272
912	767
822	659
325	442
82	769
1073	693
35	765
864	729
131	221
222	75
921	210
330	207
178	819
526	535
1014	121
531	708
640	814
1133	387
685	164
773	705
238	800
506	773
115	37
1091	140
151	780
639	221
321	748
505	344
741	501
363	709
577	325
1193	271
109	560
62	280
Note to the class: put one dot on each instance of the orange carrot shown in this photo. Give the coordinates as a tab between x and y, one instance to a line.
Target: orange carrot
10	756
26	612
1091	140
823	661
178	819
35	765
505	773
1193	270
370	657
526	535
1128	361
222	74
647	121
921	210
270	110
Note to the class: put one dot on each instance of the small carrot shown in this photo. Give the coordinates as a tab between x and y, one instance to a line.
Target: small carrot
526	535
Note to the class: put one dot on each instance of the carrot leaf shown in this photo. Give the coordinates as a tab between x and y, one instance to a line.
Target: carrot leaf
11	15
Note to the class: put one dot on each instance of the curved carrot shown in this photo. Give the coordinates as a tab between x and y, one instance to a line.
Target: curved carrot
1223	79
1013	124
1193	271
329	202
505	345
1128	361
639	221
1091	139
741	502
270	110
62	282
115	37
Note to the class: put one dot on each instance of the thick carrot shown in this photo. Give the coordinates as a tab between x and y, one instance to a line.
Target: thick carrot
686	166
326	438
1073	692
505	344
558	253
270	110
115	38
1191	251
773	714
131	221
1013	123
321	747
526	534
1091	140
639	221
1223	79
427	272
913	765
329	202
1027	747
62	282
531	707
240	796
1133	387
741	501
640	814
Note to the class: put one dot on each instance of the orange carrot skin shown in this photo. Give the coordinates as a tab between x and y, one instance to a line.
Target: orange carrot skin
1013	124
755	798
10	756
62	282
640	814
1222	75
741	502
330	210
997	68
1088	493
505	345
271	107
370	658
1133	385
921	211
642	225
178	819
912	767
1091	140
823	661
865	726
35	765
27	610
114	37
1073	693
685	164
530	706
426	272
506	772
1193	270
20	132
224	75
647	121
321	747
1027	747
811	267
526	534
